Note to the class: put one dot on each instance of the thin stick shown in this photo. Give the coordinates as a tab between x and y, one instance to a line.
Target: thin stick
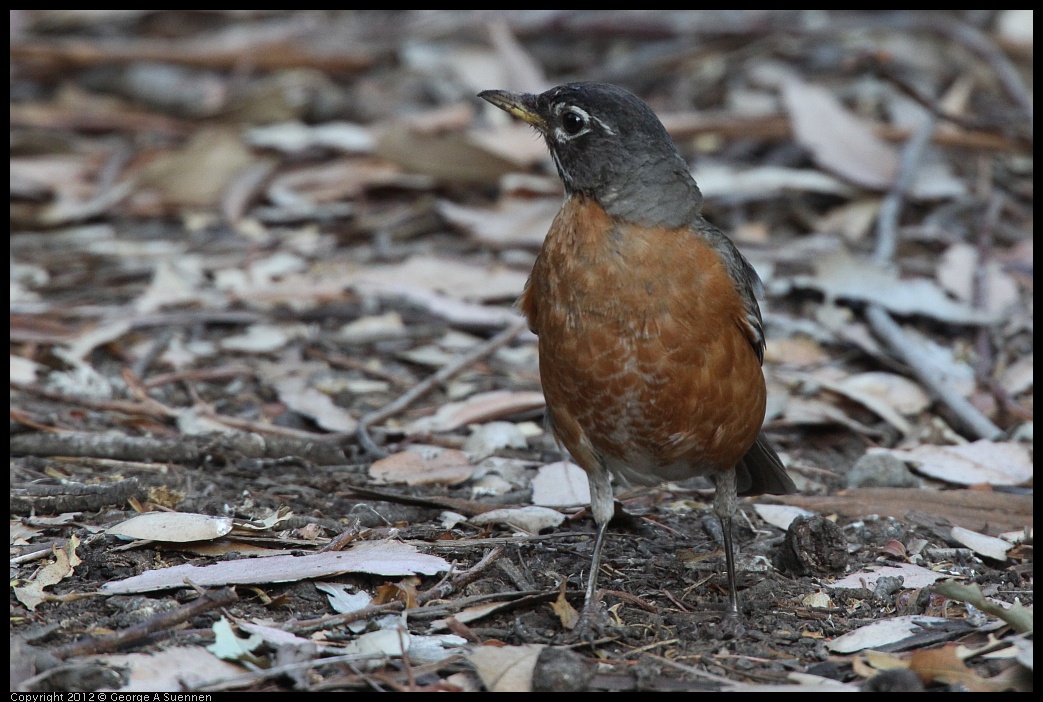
891	207
888	330
209	599
437	592
430	383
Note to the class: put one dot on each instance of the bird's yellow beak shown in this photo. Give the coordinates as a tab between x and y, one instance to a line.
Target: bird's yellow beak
521	105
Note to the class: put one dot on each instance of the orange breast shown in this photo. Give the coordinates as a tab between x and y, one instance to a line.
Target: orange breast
645	352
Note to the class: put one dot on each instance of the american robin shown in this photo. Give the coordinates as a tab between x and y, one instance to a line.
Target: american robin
650	335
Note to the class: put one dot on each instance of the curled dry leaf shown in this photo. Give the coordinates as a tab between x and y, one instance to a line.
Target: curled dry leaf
172	527
957	270
531	519
513	222
479	408
983	545
423	465
839	141
883	633
840	276
560	484
984	461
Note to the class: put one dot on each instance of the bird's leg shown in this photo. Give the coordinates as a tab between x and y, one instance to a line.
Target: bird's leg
602	505
725	502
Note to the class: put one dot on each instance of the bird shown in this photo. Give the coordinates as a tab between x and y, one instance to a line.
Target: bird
650	336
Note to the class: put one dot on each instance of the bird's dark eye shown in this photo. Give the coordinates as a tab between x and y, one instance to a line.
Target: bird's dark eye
573	123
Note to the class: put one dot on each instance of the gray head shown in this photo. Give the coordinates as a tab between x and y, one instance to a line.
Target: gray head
608	145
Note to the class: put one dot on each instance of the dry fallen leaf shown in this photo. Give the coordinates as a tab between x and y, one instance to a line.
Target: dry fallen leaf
506	668
840	276
531	519
374	557
171	669
882	633
452	277
984	461
65	562
839	141
513	222
477	409
914	576
423	465
958	267
172	527
944	665
560	484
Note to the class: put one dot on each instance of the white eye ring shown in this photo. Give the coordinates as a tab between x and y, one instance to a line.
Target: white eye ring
573	122
568	127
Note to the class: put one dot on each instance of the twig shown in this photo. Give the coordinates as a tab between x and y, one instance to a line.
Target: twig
430	383
439	591
258	676
977	42
464	579
210	599
888	330
891	207
980	297
882	323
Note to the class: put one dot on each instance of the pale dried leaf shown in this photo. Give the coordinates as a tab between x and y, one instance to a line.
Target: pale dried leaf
470	614
817	600
341	179
765	182
198	174
392	643
487	439
172	669
172	527
25	371
522	72
315	404
1016	26
512	222
63	566
229	646
531	520
983	545
295	137
852	220
506	668
262	338
452	277
882	633
1017	378
839	141
800	351
957	269
984	461
899	392
273	636
365	330
840	276
913	577
479	408
780	516
560	484
809	411
448	157
373	557
423	465
174	282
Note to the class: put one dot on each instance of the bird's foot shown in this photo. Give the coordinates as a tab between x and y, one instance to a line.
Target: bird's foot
591	624
731	626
